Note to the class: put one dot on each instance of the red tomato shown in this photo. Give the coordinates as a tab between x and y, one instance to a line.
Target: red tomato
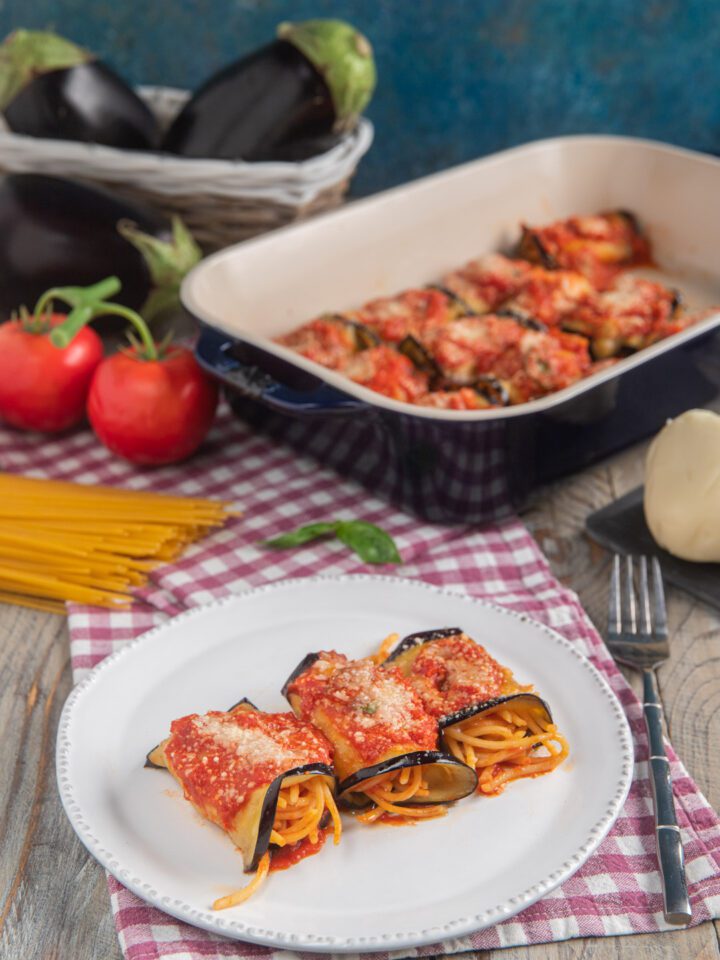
151	411
43	387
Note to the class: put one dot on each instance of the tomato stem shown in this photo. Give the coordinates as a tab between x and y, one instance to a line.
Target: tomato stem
77	296
89	303
149	347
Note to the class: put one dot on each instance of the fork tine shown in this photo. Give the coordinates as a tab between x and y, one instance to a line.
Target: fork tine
645	625
627	600
661	627
614	623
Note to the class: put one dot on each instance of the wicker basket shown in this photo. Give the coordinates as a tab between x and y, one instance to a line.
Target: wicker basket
221	201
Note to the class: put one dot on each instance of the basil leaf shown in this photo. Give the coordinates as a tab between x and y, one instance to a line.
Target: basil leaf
296	538
370	543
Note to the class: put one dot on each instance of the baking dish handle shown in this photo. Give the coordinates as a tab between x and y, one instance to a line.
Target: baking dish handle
213	353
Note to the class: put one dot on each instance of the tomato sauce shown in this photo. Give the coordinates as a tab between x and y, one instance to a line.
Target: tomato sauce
283	857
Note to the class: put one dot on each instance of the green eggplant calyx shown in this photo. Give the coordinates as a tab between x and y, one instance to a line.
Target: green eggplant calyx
344	59
27	54
167	261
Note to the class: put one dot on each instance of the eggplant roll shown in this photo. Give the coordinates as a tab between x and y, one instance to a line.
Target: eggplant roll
264	778
597	246
486	718
385	742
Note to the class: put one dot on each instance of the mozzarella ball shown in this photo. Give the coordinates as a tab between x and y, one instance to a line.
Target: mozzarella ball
682	486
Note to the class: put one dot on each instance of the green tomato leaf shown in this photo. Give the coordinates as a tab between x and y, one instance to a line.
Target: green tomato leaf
369	542
296	538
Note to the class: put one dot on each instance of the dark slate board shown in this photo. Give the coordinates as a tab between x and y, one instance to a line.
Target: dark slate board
621	527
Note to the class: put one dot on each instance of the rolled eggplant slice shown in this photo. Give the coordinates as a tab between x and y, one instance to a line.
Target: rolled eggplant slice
448	670
597	246
422	360
414	641
385	743
486	718
445	779
504	739
487	283
416	312
331	339
266	779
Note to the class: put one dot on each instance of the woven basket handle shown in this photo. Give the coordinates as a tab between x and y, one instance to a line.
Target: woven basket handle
214	354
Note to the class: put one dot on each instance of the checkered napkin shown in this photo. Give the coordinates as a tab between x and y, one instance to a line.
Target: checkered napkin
618	889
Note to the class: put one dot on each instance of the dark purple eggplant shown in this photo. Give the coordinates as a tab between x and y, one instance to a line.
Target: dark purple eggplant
464	310
58	233
414	640
422	360
50	87
458	716
523	318
493	390
287	101
262	827
448	779
307	661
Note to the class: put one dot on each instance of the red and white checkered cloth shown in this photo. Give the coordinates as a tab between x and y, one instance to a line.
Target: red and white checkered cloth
618	889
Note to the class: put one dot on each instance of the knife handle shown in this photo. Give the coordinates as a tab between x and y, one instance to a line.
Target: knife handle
677	908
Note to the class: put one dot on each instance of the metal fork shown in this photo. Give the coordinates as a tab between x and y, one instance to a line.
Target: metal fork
638	637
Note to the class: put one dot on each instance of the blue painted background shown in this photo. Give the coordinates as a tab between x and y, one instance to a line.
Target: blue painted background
457	78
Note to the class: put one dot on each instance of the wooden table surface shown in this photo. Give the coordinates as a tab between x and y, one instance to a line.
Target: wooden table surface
53	898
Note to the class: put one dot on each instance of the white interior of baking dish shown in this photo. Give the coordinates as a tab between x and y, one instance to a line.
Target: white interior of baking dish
411	235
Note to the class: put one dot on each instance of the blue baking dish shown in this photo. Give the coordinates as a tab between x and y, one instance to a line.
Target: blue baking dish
463	466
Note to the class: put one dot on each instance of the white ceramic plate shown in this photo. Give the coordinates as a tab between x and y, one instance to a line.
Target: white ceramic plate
383	888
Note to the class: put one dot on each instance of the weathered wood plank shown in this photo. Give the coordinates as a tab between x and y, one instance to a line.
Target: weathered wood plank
53	897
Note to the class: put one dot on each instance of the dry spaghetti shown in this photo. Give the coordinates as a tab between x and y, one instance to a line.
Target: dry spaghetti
70	542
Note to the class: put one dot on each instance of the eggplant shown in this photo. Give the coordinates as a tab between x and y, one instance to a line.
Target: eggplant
524	319
414	640
488	387
260	823
448	779
531	247
422	360
58	232
473	709
465	310
307	661
288	100
493	390
364	337
52	88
